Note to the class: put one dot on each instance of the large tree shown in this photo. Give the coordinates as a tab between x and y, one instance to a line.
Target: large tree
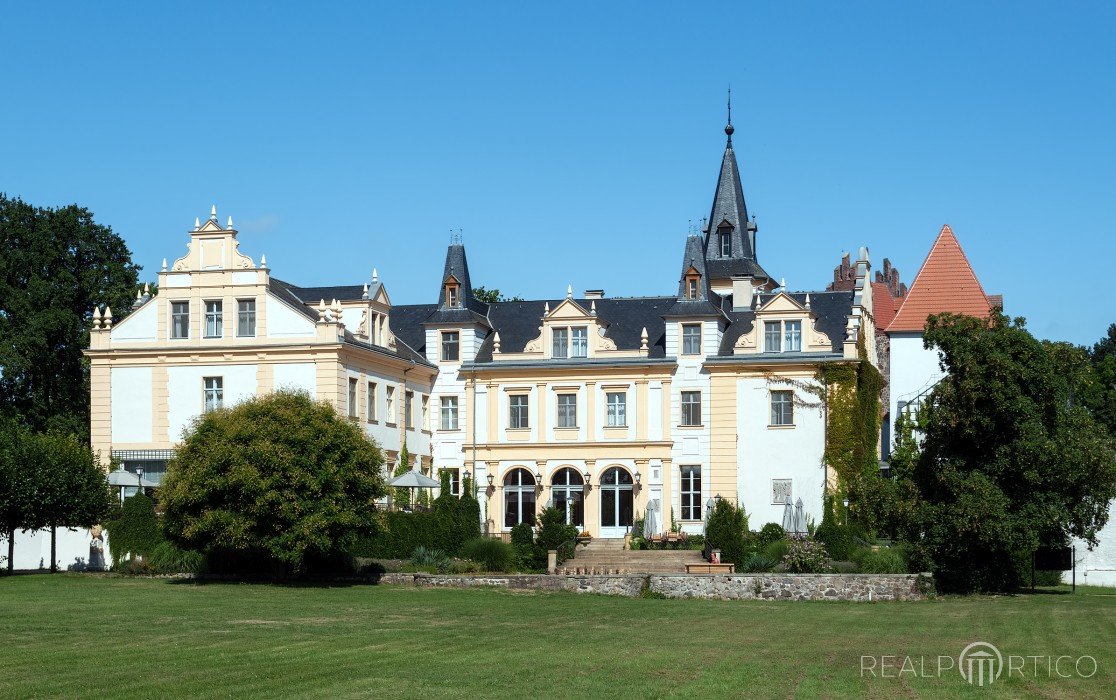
279	476
17	484
72	491
1100	396
55	266
1010	459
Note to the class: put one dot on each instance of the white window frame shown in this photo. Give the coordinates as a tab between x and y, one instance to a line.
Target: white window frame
567	410
579	341
519	411
451	339
792	336
560	342
354	383
616	410
245	316
688	489
213	393
214	318
370	397
176	316
772	335
691	345
683	403
391	415
784	416
409	410
448	413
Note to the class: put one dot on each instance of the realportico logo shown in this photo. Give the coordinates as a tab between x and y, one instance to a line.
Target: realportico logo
980	664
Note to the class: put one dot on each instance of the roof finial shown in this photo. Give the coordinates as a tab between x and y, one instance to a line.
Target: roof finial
213	213
375	275
197	223
230	224
728	127
569	291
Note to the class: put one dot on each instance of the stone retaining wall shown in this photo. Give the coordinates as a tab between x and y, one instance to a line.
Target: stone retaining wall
849	587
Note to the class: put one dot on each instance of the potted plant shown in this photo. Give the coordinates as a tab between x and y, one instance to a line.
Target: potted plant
584	537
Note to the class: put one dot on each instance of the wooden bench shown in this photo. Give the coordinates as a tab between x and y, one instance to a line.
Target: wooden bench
707	568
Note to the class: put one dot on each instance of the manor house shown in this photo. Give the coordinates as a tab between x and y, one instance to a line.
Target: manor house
608	408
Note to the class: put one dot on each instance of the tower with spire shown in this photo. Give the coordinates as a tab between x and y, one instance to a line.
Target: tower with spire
730	235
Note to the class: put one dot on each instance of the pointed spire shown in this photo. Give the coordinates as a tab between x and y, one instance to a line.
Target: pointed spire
229	226
197	223
263	260
807	300
146	289
783	284
375	275
96	317
213	213
643	339
139	295
728	127
164	264
321	311
108	317
364	294
496	343
593	308
569	291
546	309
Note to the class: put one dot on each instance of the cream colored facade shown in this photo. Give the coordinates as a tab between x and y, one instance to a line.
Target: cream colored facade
149	373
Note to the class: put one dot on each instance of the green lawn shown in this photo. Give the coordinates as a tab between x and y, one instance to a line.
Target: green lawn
72	635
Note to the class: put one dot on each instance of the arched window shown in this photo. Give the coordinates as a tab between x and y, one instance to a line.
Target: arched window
568	492
617	502
519	498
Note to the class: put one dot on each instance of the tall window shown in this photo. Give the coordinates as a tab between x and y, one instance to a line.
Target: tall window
213	393
567	490
370	408
519	498
691	339
772	334
567	410
409	409
517	411
579	341
691	493
352	397
691	287
425	422
691	408
391	404
214	319
451	296
246	318
451	346
617	409
561	337
455	481
180	319
726	243
448	413
792	336
782	408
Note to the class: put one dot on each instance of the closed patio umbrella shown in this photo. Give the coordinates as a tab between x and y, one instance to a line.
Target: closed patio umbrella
799	518
788	517
649	519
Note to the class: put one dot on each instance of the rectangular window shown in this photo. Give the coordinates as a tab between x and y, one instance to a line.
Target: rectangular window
370	408
517	411
213	393
691	339
448	413
214	319
691	408
246	318
409	409
617	409
772	332
451	296
579	342
567	410
451	346
691	287
782	408
792	336
180	319
691	493
455	481
352	397
561	337
726	244
425	422
391	404
780	491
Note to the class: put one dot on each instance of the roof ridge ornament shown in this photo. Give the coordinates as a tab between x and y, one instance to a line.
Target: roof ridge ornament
197	223
728	127
213	213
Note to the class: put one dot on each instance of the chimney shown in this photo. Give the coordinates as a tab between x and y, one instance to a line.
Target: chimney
594	294
741	294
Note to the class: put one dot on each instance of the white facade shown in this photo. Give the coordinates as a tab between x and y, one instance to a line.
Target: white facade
914	370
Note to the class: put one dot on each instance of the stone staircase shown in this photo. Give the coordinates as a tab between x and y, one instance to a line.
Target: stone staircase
603	557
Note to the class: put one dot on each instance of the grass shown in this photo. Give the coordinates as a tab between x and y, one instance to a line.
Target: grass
71	635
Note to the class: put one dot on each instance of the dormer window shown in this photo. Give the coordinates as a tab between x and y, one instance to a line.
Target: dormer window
726	243
451	296
693	289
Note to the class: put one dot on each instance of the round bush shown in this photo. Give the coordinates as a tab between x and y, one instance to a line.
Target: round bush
490	552
771	532
805	556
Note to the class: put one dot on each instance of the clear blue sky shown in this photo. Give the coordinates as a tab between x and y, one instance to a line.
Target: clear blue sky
573	141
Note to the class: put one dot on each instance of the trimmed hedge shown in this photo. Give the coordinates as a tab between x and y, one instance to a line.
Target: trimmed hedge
135	532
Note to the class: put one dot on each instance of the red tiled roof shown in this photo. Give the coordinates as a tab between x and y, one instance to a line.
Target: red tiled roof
884	305
946	282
